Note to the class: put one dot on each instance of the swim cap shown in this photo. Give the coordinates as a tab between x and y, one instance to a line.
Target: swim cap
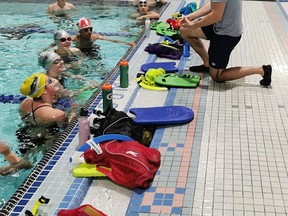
46	59
59	34
34	85
84	23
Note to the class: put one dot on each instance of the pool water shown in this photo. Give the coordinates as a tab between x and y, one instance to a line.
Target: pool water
26	30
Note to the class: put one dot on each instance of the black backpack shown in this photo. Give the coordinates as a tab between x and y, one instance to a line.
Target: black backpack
118	122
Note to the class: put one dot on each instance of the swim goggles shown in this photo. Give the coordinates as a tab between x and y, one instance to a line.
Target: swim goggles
65	39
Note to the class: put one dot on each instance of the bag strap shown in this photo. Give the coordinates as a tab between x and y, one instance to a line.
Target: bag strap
107	172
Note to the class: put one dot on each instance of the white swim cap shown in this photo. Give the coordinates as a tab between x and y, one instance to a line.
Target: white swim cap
59	34
46	59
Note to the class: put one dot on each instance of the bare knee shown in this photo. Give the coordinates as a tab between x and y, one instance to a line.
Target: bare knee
215	74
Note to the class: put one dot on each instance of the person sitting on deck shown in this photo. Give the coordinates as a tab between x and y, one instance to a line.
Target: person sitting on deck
85	39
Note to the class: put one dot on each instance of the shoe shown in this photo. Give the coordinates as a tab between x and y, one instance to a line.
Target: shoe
199	68
266	81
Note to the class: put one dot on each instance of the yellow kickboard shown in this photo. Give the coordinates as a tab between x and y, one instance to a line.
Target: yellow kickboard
88	170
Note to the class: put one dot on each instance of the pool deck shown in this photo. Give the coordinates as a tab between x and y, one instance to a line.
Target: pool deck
232	159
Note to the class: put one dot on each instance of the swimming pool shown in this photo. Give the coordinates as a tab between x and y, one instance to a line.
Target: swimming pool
25	30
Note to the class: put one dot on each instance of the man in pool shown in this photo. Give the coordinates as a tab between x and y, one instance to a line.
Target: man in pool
60	8
144	12
16	163
85	39
150	3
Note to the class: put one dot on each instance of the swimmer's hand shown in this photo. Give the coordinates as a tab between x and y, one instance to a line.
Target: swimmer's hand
131	44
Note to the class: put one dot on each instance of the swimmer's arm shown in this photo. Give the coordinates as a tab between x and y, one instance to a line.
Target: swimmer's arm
151	15
78	77
94	85
117	41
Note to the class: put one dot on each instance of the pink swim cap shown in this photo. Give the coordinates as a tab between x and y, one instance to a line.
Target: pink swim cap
84	23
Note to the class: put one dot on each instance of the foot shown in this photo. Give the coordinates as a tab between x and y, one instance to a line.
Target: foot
21	164
199	68
266	81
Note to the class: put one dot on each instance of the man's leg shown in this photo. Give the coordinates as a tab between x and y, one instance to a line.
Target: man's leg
222	75
193	37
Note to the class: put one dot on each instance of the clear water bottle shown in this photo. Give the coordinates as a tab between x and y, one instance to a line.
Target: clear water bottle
107	94
124	80
147	27
84	127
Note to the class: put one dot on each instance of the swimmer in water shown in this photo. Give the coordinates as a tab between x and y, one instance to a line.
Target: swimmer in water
60	8
144	12
54	65
86	37
71	56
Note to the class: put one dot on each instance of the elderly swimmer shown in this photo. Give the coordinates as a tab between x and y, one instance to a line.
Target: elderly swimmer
54	65
86	37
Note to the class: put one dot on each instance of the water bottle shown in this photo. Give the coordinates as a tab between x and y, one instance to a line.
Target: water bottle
147	27
107	94
84	127
124	81
186	49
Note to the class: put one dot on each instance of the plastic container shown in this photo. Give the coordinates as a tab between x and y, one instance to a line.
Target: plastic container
84	127
147	27
107	94
186	49
124	79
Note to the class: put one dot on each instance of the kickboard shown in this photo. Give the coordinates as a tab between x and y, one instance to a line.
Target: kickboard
169	67
178	80
166	115
87	170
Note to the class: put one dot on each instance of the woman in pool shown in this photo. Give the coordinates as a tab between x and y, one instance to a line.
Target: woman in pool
71	56
40	118
54	65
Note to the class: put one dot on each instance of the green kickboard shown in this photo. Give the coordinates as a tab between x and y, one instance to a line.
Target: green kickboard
159	25
178	80
87	170
168	32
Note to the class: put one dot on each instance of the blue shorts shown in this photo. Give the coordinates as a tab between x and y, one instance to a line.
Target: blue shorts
220	47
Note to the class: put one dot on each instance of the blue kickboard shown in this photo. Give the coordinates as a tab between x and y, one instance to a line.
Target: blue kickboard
166	115
169	67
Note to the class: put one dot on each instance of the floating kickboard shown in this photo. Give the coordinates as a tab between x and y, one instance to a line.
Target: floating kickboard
178	80
167	115
169	67
88	170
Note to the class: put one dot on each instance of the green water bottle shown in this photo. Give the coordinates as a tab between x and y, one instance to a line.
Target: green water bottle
124	80
107	94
